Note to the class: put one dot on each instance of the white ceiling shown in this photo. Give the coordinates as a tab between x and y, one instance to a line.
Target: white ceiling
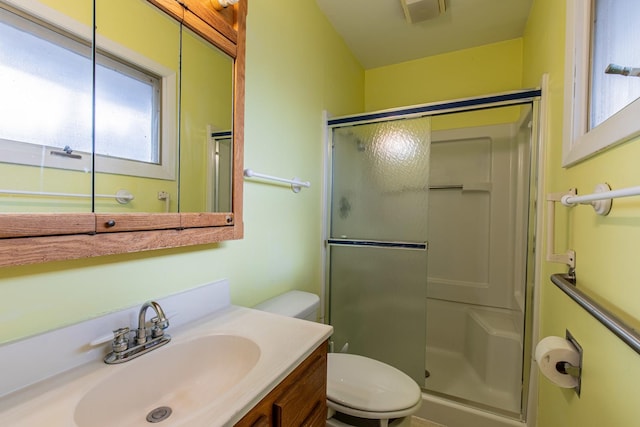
378	34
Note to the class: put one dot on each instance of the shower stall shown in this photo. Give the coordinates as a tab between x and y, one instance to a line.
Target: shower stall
429	247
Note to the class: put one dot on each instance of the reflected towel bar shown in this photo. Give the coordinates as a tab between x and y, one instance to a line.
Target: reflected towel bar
622	330
296	184
122	196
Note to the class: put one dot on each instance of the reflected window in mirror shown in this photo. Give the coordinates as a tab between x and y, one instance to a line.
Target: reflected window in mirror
128	111
50	108
602	83
46	110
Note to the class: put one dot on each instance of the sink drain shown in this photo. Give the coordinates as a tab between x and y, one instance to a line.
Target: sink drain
159	414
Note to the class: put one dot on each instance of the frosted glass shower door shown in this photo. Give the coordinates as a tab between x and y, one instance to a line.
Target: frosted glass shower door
377	244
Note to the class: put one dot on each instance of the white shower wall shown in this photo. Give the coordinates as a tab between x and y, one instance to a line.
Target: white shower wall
477	264
471	233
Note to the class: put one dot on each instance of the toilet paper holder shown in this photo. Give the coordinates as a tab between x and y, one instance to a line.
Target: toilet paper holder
568	368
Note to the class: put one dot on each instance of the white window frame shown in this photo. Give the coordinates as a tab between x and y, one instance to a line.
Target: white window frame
166	169
32	154
579	143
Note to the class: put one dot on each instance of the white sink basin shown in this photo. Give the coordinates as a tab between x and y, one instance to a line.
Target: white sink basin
184	376
214	370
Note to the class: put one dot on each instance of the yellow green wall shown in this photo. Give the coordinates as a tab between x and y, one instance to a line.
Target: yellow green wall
296	68
470	72
465	73
606	252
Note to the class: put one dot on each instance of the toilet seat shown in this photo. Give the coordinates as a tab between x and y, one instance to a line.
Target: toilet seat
367	388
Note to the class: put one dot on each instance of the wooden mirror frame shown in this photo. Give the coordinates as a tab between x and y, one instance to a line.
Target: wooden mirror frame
28	238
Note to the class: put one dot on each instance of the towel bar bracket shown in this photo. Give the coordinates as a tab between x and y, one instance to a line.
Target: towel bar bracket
569	257
600	206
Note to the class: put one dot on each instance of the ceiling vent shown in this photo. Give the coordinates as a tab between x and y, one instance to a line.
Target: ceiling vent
421	10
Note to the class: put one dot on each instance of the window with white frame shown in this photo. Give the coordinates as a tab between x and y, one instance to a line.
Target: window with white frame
602	76
47	100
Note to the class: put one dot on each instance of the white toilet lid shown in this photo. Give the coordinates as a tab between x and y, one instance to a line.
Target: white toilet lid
369	385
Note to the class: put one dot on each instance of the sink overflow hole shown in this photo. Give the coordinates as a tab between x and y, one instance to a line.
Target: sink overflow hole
159	414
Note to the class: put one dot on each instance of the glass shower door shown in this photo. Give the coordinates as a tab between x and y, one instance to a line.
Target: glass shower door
377	244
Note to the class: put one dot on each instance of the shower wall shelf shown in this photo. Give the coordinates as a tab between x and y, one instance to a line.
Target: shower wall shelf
469	186
296	184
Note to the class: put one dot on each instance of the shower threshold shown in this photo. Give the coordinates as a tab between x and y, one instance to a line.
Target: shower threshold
452	376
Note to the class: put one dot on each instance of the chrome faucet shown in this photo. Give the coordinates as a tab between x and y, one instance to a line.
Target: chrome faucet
125	349
160	322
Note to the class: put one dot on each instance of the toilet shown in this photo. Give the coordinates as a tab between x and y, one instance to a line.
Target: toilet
360	391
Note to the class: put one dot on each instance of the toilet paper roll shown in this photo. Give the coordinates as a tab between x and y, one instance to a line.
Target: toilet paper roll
553	350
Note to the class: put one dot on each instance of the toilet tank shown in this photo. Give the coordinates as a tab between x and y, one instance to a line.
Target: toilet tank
299	304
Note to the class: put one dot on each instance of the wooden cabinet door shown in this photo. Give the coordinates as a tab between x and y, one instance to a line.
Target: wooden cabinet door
305	398
299	400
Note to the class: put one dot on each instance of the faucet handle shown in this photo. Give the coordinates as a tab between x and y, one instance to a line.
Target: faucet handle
159	325
120	341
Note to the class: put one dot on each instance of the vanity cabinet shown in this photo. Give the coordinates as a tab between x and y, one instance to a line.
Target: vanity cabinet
299	400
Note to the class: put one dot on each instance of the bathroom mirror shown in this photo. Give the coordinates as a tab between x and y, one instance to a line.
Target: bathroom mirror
167	170
162	92
205	126
137	79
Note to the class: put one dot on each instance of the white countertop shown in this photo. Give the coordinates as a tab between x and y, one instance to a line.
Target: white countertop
284	342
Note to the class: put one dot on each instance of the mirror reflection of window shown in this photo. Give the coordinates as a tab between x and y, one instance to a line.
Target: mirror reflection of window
128	111
44	108
47	91
45	114
615	57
